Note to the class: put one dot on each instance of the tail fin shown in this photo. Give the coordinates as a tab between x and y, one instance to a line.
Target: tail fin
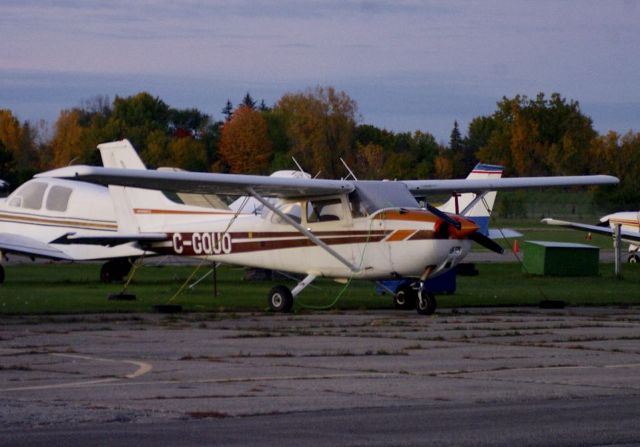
120	154
139	210
476	207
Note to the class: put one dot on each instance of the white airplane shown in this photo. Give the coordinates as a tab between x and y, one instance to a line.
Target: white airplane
43	211
332	228
629	222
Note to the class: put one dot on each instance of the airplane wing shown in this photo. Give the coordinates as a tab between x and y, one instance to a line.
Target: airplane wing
203	183
606	230
421	187
283	187
22	245
110	241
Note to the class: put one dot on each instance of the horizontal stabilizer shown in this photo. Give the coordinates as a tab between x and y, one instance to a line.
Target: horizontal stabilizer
503	233
22	245
110	241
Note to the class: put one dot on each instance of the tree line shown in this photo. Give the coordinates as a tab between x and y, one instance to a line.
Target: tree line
317	127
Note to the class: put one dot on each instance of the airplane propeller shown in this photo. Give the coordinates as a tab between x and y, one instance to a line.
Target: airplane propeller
486	242
475	236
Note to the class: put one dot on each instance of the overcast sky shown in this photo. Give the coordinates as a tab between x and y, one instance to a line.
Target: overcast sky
410	65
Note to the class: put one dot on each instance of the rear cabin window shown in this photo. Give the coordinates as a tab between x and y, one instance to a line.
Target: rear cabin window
58	198
29	196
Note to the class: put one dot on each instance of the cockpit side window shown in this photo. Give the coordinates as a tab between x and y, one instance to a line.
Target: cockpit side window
324	210
356	205
29	196
58	198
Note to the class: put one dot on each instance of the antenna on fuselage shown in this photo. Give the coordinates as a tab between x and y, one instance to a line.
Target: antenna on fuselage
298	165
348	169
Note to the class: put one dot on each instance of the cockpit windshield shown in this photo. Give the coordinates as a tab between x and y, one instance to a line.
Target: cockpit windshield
29	196
372	196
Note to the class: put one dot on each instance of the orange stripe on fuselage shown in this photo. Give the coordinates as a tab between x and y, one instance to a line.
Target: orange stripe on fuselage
408	216
399	235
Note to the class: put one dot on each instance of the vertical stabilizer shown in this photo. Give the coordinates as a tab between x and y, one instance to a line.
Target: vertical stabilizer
128	202
476	207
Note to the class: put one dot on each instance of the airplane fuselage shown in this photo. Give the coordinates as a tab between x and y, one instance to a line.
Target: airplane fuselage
389	243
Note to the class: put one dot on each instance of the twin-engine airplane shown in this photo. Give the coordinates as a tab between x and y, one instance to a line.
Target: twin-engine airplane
315	227
627	221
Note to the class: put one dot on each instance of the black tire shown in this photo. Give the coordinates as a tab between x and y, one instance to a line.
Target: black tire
633	259
1	274
405	297
280	299
427	305
115	270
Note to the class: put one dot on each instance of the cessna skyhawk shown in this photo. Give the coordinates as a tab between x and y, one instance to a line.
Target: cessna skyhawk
316	227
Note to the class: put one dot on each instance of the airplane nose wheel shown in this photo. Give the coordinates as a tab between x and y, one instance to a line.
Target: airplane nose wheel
405	297
280	299
426	302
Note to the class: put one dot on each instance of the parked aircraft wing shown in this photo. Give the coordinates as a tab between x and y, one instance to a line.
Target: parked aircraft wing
625	234
421	187
203	183
22	245
110	241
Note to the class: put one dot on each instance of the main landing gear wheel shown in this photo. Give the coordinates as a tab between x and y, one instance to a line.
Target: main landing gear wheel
426	303
405	297
633	259
280	299
115	270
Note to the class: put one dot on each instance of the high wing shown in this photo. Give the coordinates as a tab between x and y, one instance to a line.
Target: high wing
606	230
421	187
22	245
204	183
235	184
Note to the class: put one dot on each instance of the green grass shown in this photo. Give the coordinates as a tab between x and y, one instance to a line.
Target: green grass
60	288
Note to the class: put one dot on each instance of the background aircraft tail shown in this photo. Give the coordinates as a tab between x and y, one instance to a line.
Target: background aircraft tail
145	210
476	207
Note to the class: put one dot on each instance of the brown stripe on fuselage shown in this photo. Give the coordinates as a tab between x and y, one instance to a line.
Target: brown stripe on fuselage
182	212
244	247
19	218
289	234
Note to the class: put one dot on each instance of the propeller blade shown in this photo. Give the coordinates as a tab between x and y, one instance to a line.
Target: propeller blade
486	242
444	216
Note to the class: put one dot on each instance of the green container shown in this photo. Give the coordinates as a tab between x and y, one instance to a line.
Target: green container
560	258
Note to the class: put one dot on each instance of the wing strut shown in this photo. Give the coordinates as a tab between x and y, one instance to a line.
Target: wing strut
302	230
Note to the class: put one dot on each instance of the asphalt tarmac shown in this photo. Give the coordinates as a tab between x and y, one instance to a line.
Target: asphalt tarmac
469	377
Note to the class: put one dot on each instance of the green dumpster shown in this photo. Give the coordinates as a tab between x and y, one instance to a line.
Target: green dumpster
559	258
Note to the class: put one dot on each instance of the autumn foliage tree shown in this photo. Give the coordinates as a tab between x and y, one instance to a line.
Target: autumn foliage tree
67	145
320	125
244	142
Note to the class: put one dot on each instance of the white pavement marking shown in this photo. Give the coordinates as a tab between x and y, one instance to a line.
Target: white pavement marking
143	368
